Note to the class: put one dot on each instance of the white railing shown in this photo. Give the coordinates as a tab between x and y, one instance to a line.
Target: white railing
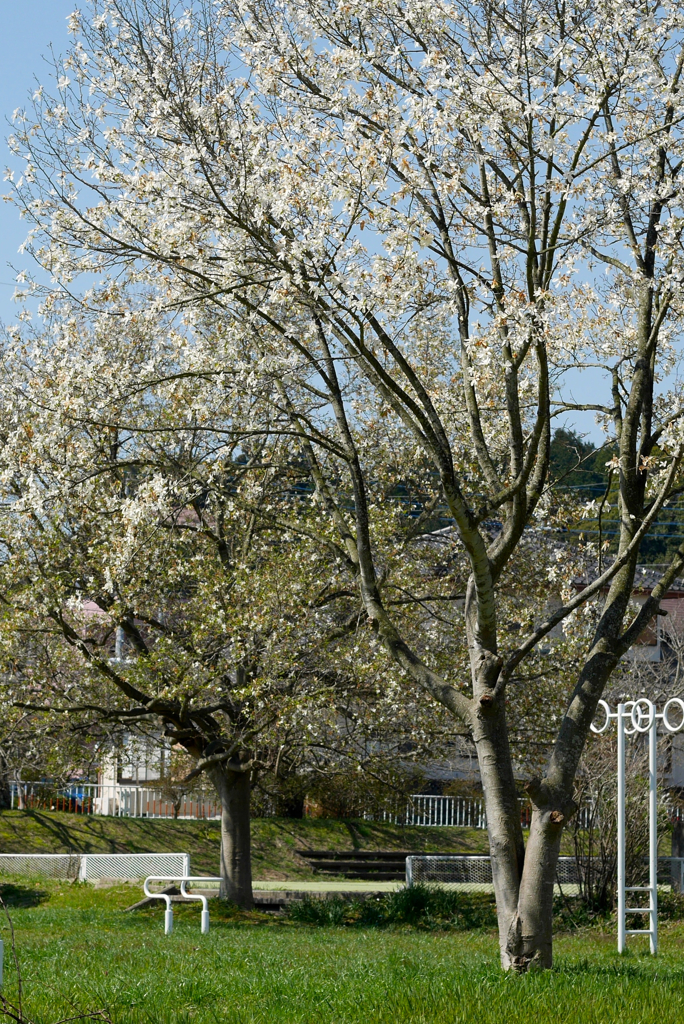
465	812
115	800
460	811
147	802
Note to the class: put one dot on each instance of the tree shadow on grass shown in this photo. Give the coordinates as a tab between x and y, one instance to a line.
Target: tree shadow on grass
87	834
14	895
67	837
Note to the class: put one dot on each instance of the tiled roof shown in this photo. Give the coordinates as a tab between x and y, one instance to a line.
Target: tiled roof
645	577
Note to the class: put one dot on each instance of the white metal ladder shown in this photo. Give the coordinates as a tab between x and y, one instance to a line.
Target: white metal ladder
626	712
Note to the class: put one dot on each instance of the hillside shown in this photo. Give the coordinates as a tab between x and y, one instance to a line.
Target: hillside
274	840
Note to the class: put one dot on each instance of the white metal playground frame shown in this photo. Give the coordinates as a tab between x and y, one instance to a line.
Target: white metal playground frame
642	716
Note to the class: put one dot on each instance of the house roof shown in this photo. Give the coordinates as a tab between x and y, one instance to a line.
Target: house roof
645	578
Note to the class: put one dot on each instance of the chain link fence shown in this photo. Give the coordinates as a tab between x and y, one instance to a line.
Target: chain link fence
473	873
94	866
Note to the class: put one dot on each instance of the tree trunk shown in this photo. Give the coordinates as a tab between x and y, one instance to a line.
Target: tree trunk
233	788
506	847
523	879
530	938
5	786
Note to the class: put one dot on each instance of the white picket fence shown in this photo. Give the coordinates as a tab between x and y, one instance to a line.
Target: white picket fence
114	800
146	802
465	812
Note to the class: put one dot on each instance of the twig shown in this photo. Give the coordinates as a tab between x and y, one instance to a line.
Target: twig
16	960
16	1013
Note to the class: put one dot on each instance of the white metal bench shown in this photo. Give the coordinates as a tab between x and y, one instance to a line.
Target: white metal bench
184	880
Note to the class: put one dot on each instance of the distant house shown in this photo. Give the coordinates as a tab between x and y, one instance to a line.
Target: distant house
649	647
651	641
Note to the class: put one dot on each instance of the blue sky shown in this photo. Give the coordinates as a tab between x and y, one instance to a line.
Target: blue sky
28	28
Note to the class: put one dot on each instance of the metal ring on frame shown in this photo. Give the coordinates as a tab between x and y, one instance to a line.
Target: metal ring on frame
627	716
637	715
609	715
666	722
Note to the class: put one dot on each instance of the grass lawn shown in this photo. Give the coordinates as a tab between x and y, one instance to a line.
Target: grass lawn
78	950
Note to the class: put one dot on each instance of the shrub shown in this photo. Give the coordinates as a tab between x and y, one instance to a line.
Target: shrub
320	911
420	906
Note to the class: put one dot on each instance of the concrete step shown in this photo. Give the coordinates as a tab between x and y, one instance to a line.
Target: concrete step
356	855
368	865
358	865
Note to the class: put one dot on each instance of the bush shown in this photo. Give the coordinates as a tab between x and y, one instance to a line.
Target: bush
320	911
428	907
420	906
670	905
571	912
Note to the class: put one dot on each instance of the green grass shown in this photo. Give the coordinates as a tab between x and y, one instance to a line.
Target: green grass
77	950
274	840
